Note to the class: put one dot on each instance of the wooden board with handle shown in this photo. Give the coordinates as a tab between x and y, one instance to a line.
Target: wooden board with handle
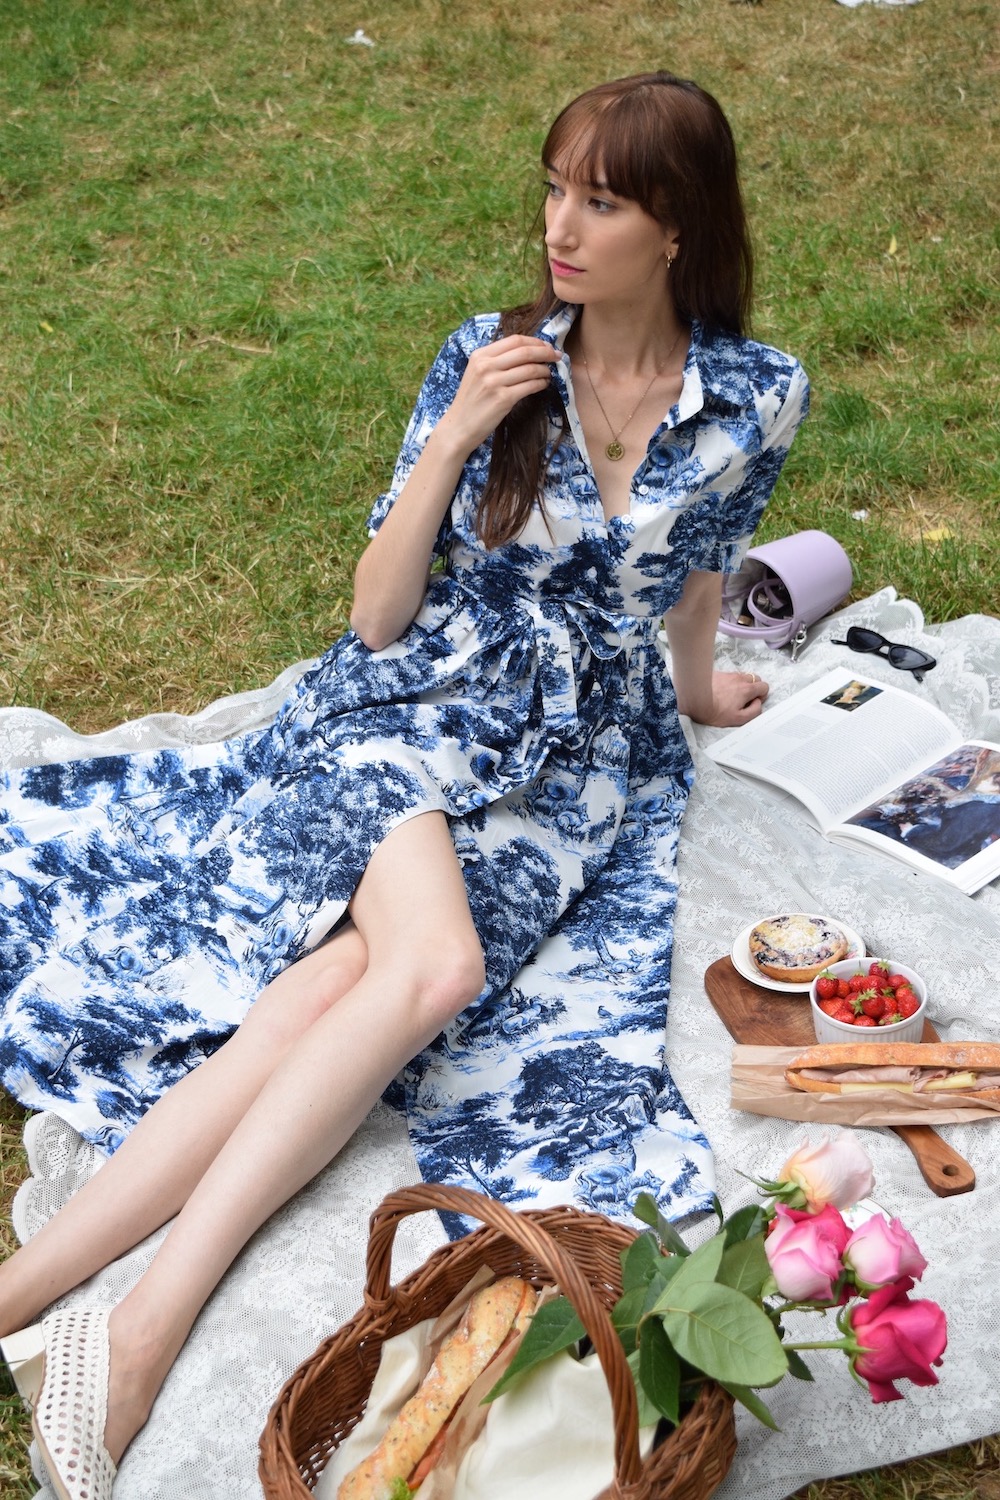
756	1017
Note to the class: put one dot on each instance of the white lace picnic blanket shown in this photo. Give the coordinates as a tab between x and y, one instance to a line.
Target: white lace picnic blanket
745	854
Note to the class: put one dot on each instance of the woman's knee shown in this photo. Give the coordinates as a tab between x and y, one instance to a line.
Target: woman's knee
451	977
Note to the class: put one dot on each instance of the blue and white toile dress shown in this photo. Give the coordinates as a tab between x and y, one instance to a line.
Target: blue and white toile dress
145	899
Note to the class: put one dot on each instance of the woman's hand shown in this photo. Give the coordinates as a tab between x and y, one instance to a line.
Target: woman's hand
497	377
737	698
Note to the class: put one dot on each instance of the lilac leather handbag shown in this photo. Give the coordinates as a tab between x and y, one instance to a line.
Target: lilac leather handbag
784	587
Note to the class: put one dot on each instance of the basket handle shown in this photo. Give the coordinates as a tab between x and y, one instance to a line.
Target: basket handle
531	1237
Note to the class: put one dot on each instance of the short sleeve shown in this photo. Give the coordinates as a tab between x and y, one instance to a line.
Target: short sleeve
780	412
436	395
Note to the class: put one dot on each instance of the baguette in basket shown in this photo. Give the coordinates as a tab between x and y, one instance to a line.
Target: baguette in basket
496	1315
969	1070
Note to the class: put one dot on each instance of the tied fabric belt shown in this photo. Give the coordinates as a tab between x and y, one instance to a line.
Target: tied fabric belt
606	634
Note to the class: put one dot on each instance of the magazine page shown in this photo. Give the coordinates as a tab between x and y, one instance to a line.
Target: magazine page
840	744
945	821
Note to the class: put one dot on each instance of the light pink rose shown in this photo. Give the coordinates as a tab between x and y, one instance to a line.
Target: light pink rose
896	1340
804	1252
880	1252
836	1171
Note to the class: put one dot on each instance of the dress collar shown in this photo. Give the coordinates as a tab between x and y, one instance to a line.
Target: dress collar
715	366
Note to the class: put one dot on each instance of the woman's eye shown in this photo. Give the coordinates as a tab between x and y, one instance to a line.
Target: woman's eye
602	205
552	189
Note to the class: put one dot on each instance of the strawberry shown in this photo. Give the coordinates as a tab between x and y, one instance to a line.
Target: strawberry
858	982
873	1004
890	1018
829	1007
896	981
843	1013
843	989
865	1021
907	1004
826	986
878	970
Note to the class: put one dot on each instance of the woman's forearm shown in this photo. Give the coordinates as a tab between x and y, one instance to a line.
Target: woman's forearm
390	580
691	627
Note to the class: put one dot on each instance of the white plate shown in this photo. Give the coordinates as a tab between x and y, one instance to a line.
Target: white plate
859	1213
744	964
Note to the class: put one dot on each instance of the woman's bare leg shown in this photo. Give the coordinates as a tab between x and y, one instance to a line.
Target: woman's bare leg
152	1173
425	964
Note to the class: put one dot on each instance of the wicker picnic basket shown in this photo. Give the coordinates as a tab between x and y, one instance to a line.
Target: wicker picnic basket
579	1252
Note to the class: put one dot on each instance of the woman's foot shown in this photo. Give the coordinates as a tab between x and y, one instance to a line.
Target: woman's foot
138	1369
90	1385
61	1366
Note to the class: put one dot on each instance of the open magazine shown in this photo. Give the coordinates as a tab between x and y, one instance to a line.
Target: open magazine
877	767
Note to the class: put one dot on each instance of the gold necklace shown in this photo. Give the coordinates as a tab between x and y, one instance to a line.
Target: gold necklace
615	449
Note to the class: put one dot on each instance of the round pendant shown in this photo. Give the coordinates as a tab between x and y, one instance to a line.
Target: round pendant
614	450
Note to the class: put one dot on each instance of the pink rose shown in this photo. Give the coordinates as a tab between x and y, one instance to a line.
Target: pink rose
836	1171
804	1252
880	1252
896	1339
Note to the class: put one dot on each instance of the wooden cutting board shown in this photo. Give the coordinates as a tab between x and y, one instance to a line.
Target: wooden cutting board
757	1017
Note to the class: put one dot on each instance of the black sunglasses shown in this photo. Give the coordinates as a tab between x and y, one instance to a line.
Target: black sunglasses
906	658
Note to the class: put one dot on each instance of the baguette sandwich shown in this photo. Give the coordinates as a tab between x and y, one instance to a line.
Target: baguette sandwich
968	1069
497	1315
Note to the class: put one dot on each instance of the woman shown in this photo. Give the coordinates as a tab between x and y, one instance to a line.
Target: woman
490	763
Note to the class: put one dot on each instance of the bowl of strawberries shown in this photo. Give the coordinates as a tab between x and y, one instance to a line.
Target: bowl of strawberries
868	1000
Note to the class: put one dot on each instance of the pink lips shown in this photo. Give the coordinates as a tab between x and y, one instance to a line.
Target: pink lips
561	268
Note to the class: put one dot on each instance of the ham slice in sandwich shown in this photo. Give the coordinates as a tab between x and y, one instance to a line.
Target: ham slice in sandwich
968	1070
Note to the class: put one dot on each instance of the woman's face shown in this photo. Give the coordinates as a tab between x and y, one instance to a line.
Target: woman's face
602	248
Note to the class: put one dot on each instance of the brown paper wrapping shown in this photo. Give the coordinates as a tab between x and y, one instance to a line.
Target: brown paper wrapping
759	1087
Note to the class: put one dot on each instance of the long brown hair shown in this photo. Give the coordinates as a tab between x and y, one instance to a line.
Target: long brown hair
664	143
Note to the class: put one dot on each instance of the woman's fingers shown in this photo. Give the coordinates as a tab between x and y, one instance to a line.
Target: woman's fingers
753	687
498	376
516	348
510	363
738	697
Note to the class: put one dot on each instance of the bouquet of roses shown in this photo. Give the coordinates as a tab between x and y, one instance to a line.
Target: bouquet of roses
716	1312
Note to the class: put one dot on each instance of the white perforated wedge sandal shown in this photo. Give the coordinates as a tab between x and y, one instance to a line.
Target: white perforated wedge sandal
60	1367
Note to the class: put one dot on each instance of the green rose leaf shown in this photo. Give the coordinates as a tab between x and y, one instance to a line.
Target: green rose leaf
745	1223
750	1399
659	1370
645	1209
625	1315
797	1365
721	1332
554	1326
701	1264
669	1268
745	1267
640	1262
648	1414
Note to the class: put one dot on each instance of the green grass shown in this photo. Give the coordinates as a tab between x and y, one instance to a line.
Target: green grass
230	244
